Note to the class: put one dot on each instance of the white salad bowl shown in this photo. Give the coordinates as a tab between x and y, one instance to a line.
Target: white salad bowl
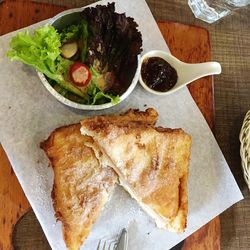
67	18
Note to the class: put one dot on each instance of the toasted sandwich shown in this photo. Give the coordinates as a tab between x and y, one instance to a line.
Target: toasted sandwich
152	164
81	185
83	179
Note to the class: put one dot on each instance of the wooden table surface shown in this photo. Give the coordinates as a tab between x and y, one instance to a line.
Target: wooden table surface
230	40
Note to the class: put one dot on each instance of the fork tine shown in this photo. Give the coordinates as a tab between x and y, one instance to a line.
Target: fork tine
112	245
99	245
104	245
107	243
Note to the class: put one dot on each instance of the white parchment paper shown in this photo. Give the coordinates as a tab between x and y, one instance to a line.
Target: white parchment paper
29	113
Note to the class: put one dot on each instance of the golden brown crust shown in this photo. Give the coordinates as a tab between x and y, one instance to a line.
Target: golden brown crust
129	119
179	223
153	162
81	185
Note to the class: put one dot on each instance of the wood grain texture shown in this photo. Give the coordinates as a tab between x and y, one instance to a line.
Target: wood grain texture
13	201
18	14
208	237
231	46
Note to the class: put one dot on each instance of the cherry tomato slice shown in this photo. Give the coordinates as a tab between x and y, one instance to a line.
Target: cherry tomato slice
80	74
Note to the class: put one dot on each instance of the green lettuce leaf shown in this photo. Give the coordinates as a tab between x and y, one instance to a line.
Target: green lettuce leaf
70	33
96	95
42	51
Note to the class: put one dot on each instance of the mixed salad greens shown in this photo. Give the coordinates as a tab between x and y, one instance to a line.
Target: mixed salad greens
92	61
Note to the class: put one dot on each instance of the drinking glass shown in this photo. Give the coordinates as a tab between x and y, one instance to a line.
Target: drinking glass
212	10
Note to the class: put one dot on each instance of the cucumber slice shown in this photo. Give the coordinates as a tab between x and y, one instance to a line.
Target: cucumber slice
71	88
61	90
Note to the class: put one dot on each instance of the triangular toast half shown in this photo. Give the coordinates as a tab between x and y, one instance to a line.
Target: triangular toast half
81	185
152	165
83	180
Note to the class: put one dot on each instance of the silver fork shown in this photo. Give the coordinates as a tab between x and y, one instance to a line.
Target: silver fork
121	242
106	245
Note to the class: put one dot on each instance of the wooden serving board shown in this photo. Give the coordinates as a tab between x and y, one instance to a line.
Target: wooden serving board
188	43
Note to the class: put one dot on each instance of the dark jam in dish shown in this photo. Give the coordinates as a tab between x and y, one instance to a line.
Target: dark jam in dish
158	74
